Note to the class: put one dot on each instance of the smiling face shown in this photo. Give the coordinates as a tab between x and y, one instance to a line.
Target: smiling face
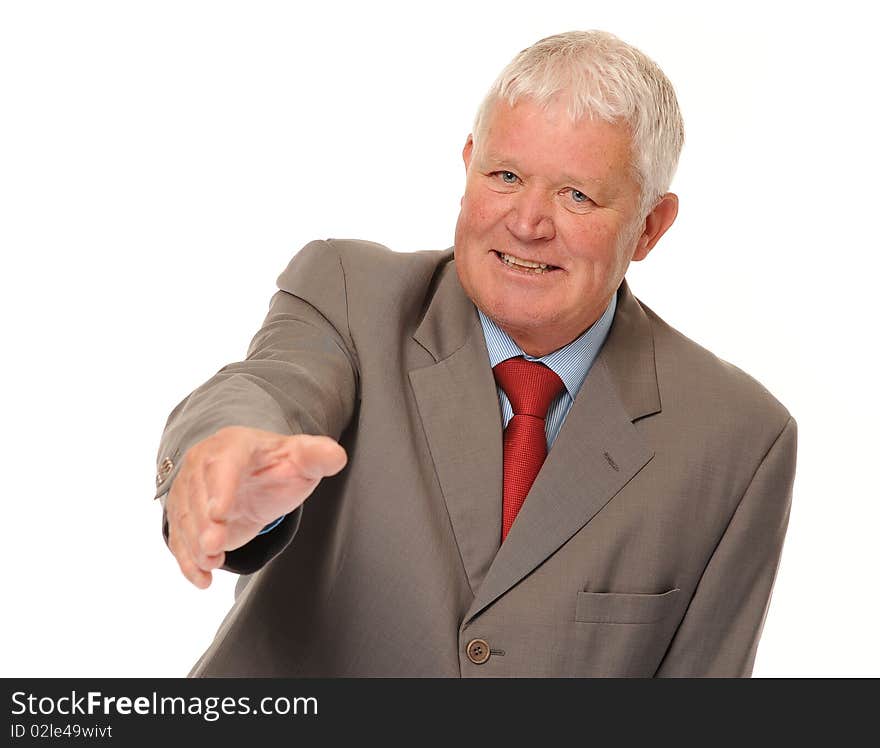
543	190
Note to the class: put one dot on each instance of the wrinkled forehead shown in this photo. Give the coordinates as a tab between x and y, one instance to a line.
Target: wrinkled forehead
547	137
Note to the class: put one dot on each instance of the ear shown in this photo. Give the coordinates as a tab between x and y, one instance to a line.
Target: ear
656	223
468	151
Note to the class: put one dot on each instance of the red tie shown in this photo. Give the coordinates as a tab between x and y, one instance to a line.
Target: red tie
531	387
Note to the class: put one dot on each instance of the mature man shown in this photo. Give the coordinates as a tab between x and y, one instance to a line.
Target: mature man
492	460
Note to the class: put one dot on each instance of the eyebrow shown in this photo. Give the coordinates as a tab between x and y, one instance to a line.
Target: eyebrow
506	163
583	180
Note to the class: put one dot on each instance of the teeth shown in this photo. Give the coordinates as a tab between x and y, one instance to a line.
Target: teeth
512	260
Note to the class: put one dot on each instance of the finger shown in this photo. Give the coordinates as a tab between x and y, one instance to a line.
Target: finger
204	537
222	478
175	509
212	543
178	511
188	568
201	579
185	533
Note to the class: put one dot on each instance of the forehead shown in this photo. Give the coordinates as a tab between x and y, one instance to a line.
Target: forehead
546	141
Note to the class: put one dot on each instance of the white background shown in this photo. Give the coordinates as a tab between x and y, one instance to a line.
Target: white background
160	162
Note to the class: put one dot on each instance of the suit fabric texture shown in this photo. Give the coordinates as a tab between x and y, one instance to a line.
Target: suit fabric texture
647	546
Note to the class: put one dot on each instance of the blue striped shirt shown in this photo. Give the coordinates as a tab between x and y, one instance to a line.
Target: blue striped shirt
571	363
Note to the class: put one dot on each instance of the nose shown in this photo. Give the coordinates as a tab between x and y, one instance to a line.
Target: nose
530	216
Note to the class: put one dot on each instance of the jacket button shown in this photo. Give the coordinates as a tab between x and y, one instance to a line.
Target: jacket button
478	651
164	470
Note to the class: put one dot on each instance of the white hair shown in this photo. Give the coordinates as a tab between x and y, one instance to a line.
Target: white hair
600	76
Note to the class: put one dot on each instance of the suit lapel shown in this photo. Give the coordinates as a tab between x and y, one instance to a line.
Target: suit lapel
461	417
597	451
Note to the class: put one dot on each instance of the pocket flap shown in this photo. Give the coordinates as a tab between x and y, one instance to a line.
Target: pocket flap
619	607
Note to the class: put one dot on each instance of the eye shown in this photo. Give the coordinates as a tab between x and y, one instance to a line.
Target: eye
508	177
579	197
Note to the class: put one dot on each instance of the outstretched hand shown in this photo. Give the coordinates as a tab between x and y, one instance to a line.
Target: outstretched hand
234	483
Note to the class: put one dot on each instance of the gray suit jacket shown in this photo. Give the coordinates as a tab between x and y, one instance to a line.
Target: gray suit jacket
648	545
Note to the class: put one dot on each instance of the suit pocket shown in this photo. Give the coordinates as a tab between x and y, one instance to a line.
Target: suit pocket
618	607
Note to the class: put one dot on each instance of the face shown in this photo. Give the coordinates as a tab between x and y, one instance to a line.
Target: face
543	190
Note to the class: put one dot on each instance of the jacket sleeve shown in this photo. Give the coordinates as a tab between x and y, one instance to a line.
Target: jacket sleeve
300	376
718	636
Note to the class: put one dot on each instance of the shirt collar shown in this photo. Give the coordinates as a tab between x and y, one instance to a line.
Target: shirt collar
571	363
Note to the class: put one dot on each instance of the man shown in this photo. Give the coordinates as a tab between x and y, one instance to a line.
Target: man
492	460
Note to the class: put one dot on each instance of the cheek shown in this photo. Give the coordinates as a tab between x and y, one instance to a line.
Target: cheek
480	211
594	242
603	236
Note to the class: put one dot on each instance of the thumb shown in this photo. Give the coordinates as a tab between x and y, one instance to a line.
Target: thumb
317	456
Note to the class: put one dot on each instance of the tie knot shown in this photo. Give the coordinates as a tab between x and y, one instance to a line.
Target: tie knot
529	385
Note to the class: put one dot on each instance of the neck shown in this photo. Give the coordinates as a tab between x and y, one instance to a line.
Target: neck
539	343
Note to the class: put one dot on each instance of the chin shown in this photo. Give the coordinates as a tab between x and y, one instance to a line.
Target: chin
511	317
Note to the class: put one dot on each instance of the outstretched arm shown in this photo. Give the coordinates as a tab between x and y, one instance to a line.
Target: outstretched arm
299	377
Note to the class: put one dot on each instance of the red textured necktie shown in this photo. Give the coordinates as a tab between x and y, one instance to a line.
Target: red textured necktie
531	387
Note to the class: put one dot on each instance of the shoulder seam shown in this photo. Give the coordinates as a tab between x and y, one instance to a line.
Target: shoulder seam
347	313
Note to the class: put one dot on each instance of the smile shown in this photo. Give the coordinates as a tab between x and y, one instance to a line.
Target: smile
524	266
